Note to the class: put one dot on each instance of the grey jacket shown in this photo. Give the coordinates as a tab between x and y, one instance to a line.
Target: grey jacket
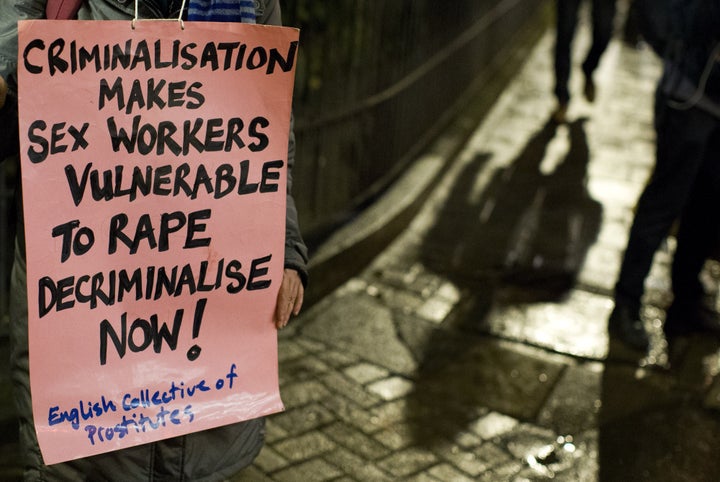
203	456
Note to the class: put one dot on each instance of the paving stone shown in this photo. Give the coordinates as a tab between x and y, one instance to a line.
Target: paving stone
336	359
573	405
356	466
365	373
304	368
448	472
358	331
416	334
435	309
526	440
556	324
396	437
340	384
488	457
493	425
251	474
467	440
712	399
390	413
269	460
506	471
274	431
289	350
460	373
407	462
474	461
352	439
311	345
400	298
584	462
391	388
315	470
304	418
422	477
301	393
304	446
349	412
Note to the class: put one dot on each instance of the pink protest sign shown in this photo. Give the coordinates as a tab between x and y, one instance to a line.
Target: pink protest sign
154	177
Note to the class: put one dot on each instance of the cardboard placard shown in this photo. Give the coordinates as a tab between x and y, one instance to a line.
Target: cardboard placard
154	186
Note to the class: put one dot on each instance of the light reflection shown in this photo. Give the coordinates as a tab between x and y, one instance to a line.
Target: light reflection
555	457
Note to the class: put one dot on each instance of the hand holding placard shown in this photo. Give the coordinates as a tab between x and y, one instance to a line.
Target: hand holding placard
3	91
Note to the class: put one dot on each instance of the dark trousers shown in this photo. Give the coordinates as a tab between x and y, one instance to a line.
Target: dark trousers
603	14
685	185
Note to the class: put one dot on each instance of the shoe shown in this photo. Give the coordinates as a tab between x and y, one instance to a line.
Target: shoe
625	324
589	89
559	115
690	317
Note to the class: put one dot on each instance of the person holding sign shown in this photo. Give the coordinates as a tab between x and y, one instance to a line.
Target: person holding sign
685	185
209	454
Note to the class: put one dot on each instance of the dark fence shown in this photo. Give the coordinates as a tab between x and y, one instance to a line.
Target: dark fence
376	80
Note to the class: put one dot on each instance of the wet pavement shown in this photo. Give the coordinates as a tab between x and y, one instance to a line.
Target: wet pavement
475	346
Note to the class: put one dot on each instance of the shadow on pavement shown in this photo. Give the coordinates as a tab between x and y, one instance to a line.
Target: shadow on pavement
523	241
656	425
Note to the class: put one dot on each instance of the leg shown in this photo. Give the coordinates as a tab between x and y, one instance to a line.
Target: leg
631	33
697	238
681	139
603	15
567	13
680	148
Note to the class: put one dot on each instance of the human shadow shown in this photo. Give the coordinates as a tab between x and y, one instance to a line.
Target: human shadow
660	425
526	236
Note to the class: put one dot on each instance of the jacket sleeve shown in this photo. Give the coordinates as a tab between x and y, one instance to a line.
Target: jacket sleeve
296	256
9	127
10	14
270	13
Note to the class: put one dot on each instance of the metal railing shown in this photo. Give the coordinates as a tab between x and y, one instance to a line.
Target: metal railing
374	81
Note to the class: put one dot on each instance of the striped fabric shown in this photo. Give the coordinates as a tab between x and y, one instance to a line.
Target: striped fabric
222	10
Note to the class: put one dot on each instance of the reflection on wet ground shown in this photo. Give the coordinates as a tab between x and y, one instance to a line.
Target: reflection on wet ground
486	321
